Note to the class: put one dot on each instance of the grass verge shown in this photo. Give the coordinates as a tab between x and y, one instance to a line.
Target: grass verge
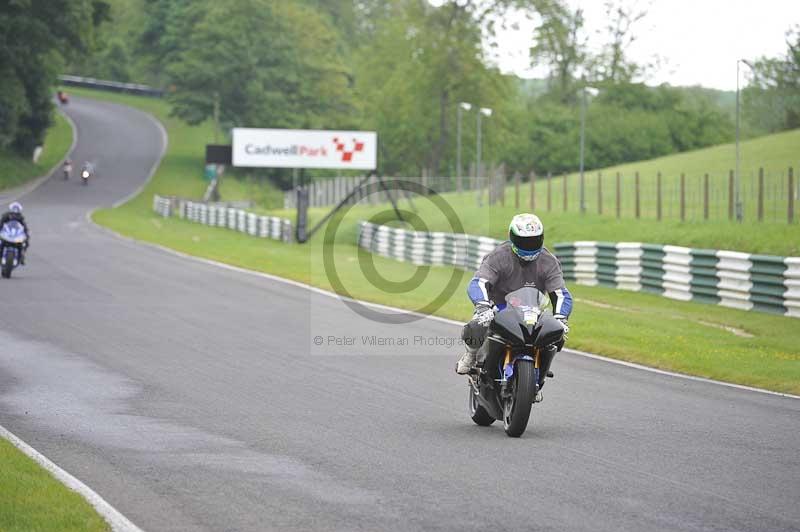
32	500
715	342
16	170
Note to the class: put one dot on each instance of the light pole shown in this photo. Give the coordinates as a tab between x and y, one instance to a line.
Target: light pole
737	186
487	113
593	92
465	107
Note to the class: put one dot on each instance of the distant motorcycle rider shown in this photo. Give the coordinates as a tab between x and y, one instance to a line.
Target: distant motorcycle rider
14	213
67	169
521	261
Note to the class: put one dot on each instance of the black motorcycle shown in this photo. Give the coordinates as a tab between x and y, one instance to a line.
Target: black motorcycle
519	348
12	239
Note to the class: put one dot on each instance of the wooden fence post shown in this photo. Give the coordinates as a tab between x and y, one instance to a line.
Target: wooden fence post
683	197
549	192
638	206
730	195
705	197
565	192
600	193
619	193
761	194
516	190
658	196
790	209
533	190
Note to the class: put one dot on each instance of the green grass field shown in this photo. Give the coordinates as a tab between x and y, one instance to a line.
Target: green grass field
775	154
16	170
32	500
685	337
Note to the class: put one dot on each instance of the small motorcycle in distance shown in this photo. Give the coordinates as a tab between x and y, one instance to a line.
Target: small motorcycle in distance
524	341
86	173
12	237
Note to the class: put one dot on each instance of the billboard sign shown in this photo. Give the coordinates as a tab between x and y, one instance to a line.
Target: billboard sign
303	148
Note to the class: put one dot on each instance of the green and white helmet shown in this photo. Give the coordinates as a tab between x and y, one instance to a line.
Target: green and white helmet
526	234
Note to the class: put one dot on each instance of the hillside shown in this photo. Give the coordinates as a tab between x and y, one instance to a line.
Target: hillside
16	170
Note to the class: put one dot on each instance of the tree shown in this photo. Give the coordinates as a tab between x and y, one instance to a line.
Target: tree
416	62
772	101
559	43
612	64
38	36
267	64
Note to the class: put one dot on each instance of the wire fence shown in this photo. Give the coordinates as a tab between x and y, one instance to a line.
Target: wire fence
765	195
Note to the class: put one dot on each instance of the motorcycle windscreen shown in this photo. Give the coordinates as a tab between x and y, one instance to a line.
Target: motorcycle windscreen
13	232
525	298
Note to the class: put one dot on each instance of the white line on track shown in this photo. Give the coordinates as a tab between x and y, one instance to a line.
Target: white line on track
156	164
426	316
118	522
164	139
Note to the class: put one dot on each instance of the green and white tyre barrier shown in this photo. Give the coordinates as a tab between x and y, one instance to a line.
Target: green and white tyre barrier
436	249
728	278
223	216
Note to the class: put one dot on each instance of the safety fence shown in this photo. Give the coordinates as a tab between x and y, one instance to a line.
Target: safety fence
732	279
114	86
221	215
765	195
440	249
728	278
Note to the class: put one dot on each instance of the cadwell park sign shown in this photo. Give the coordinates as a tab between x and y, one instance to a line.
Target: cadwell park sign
297	148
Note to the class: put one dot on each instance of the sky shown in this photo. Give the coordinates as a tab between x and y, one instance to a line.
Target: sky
698	41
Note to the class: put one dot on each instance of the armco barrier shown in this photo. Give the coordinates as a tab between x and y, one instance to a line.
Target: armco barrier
223	216
115	86
728	278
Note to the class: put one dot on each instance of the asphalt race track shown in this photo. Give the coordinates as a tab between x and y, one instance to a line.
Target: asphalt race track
192	397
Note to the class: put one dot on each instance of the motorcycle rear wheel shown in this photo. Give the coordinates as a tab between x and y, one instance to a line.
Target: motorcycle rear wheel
477	413
517	408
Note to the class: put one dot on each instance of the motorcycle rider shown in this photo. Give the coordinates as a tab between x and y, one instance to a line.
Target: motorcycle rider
87	167
67	168
14	213
521	261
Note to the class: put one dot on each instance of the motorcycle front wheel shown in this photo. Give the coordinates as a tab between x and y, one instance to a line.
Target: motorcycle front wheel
8	264
477	413
517	407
